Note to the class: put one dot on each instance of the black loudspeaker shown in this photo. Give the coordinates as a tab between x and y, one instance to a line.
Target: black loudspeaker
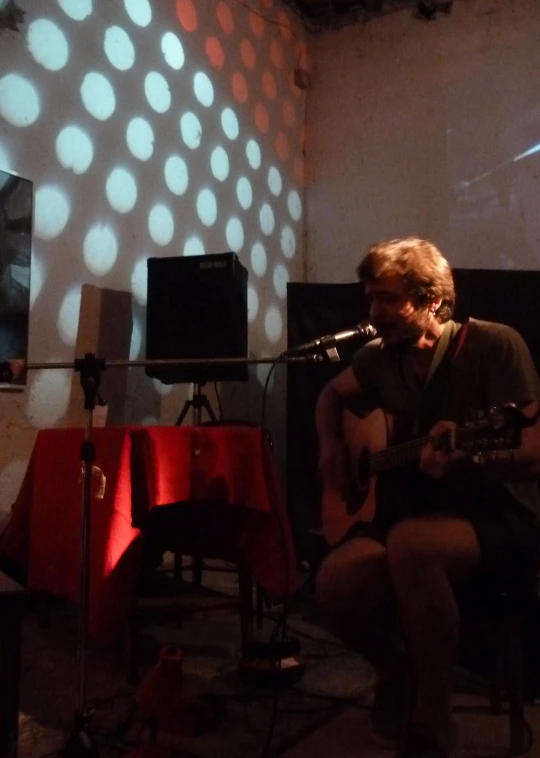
197	308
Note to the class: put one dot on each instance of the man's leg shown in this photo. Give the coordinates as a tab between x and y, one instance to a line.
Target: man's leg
427	557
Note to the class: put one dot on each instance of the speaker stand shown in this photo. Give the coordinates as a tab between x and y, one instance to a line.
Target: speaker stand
197	402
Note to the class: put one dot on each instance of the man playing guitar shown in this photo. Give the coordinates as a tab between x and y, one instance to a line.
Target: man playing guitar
455	517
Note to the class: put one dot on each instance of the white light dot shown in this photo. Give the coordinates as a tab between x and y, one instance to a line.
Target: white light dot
266	217
74	149
191	130
52	211
121	190
139	281
229	123
219	163
281	279
47	44
140	138
161	225
244	193
275	182
235	235
19	100
273	324
119	48
139	11
262	371
136	341
37	279
176	174
207	207
158	94
172	50
68	316
55	386
253	152
288	242
162	389
98	96
252	303
204	91
100	249
258	259
193	246
294	205
4	158
78	10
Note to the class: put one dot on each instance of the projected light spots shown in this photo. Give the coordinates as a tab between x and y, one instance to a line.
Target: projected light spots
262	370
247	53
139	11
176	175
158	94
172	50
258	259
267	220
100	249
282	146
4	162
52	211
288	242
289	113
47	44
229	124
274	181
162	389
121	190
253	152
281	279
193	246
244	193
239	87
74	149
136	341
187	14
140	138
219	163
284	26
273	324
119	48
19	100
252	303
161	224
276	54
234	235
50	384
294	204
78	10
262	120
37	279
139	281
215	53
68	317
191	130
204	91
225	17
207	207
98	96
256	22
269	85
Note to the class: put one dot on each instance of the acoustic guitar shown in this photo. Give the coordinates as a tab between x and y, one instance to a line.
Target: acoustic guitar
366	441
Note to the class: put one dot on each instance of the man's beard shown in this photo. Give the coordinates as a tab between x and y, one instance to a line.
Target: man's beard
407	334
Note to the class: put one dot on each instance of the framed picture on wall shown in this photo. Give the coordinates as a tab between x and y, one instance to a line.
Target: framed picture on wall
16	211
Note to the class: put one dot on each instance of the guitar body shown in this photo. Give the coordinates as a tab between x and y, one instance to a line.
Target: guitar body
342	510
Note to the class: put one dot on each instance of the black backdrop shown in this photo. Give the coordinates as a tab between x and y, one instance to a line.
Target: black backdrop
510	297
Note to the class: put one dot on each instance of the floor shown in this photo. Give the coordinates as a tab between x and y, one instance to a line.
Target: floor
323	714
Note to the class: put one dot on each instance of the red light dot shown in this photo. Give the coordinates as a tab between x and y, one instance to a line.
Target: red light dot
225	17
247	52
239	87
262	121
187	14
282	146
256	22
215	53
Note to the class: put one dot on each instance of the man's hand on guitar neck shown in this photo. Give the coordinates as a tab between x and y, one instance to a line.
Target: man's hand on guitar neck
333	464
438	455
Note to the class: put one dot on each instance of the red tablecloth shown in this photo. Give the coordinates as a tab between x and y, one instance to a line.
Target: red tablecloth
164	465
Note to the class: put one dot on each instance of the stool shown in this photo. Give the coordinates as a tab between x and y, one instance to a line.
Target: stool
13	603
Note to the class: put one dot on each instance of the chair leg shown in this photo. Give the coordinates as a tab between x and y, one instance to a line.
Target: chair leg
516	698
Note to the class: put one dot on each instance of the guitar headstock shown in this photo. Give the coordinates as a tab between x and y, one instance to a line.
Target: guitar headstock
498	429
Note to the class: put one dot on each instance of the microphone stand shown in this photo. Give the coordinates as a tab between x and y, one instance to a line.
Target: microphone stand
80	743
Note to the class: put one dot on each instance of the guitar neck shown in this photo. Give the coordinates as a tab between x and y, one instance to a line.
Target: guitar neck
397	455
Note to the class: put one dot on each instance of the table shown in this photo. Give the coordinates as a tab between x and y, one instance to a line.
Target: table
145	467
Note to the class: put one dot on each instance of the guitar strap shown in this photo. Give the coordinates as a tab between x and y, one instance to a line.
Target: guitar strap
448	348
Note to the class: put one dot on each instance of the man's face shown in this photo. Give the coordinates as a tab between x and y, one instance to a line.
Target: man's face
395	317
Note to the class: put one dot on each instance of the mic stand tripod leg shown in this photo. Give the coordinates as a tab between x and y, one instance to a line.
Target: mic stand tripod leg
80	744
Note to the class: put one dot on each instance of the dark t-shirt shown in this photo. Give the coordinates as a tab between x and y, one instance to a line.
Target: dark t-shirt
493	368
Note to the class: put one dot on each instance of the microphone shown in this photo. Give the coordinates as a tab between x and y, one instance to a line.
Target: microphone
330	341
